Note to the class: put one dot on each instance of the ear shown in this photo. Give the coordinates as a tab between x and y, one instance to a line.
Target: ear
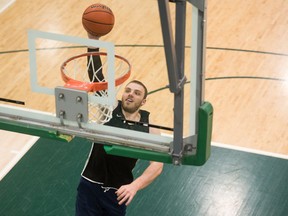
143	102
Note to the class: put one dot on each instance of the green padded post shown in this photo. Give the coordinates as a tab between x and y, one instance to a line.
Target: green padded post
138	153
204	137
32	130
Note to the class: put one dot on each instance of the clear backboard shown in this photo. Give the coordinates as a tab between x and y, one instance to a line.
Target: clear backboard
29	103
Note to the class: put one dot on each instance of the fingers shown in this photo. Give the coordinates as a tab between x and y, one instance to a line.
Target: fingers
90	36
124	196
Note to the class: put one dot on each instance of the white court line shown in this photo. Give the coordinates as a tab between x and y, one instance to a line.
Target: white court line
249	150
4	4
238	148
18	156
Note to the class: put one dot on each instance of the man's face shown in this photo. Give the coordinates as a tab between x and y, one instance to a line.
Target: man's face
133	97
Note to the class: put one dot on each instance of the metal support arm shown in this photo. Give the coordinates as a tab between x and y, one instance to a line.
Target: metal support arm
175	56
175	59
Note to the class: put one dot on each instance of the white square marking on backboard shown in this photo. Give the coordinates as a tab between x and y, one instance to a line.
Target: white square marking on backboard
34	34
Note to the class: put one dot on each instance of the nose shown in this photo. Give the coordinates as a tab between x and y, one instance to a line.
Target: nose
130	94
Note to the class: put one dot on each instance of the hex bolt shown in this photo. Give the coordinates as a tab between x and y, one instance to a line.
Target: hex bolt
78	99
61	95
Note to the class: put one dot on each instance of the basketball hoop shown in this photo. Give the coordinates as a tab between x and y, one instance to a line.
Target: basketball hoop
87	72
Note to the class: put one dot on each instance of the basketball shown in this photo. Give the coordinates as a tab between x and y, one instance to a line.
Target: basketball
98	19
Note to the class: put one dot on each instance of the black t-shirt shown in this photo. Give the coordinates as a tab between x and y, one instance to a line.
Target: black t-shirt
110	170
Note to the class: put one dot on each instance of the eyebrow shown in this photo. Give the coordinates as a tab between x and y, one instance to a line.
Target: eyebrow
136	90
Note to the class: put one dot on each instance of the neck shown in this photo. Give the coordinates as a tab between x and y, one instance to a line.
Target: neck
131	116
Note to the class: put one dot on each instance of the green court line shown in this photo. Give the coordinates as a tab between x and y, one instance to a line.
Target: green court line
223	78
155	46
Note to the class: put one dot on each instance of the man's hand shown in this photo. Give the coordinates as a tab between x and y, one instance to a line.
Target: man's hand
126	193
90	36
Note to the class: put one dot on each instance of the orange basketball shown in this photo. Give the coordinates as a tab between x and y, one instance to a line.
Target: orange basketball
98	19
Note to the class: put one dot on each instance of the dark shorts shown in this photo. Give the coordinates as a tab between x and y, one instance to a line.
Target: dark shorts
93	199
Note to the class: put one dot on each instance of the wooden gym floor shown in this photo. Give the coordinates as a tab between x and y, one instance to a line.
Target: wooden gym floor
246	65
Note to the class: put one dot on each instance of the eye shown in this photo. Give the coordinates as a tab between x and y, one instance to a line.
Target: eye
127	90
138	93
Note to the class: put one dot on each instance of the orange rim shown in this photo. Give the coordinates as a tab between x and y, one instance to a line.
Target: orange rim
92	86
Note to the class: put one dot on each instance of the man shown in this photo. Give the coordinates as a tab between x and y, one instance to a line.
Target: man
107	185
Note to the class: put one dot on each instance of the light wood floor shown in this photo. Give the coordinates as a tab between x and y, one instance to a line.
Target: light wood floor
246	41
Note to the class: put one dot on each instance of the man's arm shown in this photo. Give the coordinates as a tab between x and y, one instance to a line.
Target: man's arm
127	192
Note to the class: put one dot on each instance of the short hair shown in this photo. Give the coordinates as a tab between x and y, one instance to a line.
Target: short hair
140	83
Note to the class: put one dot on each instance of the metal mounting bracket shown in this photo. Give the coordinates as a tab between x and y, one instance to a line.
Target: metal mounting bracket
72	105
190	145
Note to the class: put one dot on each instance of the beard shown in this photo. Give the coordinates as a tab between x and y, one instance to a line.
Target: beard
130	107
